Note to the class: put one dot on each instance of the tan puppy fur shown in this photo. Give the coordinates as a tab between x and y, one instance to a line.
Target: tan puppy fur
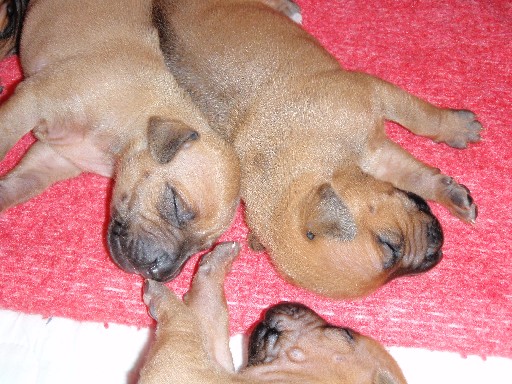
291	344
98	98
333	200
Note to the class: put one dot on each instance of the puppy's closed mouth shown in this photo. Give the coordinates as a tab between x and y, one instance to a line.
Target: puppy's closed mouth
143	256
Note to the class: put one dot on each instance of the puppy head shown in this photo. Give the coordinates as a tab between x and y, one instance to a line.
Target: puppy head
175	192
350	235
293	341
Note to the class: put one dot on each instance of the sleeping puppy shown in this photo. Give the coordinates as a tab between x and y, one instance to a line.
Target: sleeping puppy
292	344
98	97
339	207
11	20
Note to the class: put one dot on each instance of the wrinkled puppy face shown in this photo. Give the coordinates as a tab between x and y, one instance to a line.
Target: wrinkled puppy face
292	341
173	196
356	235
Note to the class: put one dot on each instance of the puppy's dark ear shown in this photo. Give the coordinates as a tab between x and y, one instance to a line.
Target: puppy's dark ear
383	378
327	215
166	137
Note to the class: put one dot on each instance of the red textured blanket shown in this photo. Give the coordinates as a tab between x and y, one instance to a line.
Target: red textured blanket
54	261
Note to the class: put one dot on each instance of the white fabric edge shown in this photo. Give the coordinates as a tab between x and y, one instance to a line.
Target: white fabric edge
34	350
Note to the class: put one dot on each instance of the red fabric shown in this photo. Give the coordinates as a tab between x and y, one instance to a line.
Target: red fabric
54	262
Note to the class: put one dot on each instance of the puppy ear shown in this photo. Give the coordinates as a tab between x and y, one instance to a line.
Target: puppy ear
166	137
327	215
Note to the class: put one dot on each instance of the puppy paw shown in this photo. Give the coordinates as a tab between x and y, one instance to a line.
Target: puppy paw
154	295
220	259
460	128
458	200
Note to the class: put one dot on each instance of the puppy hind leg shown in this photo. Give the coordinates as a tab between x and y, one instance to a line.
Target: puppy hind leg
454	127
38	169
390	162
207	299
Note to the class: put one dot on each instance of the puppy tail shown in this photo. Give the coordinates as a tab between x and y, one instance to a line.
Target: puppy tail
12	13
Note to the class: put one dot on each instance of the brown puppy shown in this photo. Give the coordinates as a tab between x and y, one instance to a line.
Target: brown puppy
11	19
98	98
333	200
292	344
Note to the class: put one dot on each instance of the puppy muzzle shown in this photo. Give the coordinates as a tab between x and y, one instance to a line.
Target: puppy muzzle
143	255
431	238
284	317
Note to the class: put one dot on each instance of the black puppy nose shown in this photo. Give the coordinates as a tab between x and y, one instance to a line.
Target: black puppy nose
435	241
434	234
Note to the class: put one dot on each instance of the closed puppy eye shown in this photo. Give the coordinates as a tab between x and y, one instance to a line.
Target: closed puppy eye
173	208
349	333
392	247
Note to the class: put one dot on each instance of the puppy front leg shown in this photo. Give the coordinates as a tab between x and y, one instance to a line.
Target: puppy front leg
38	169
390	162
192	334
17	117
177	353
207	299
455	127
